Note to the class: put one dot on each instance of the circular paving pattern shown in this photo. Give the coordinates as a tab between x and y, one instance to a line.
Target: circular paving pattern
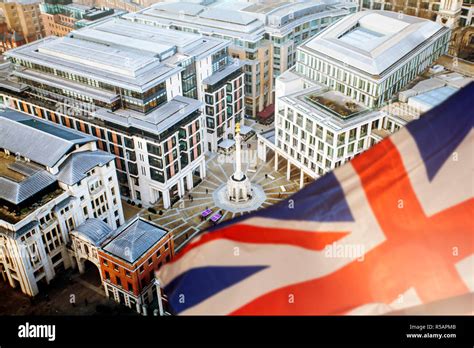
221	201
184	220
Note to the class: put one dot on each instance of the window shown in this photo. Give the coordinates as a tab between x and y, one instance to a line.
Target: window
329	151
150	261
329	137
141	269
340	152
155	162
128	274
341	138
153	149
299	120
319	131
350	149
352	134
157	175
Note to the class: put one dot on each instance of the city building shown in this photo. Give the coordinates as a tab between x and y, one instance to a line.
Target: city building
371	55
447	12
456	14
431	89
9	39
52	179
467	13
86	240
155	97
462	43
317	129
124	5
129	258
263	35
60	17
23	17
338	99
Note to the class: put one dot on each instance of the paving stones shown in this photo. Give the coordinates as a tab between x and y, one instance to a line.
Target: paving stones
184	218
221	201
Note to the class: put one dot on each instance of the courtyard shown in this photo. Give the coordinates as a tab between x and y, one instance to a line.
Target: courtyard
184	219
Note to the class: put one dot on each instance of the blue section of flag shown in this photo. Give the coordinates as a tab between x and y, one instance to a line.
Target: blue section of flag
198	284
438	136
324	202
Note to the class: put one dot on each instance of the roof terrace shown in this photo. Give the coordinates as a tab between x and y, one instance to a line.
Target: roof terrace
24	187
336	103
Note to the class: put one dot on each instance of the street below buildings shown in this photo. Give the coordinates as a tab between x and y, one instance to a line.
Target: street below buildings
70	293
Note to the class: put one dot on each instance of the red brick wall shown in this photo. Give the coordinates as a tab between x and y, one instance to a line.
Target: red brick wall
138	280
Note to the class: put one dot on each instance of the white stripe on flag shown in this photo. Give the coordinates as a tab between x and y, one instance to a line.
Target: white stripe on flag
430	193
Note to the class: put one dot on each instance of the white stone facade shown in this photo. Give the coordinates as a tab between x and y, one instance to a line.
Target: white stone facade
34	246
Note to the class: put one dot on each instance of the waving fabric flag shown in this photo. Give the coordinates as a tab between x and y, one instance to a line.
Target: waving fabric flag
390	230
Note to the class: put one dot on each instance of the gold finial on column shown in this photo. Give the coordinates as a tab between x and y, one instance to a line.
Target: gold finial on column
237	128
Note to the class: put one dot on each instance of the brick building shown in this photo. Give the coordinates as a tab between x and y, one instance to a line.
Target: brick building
9	39
128	261
23	16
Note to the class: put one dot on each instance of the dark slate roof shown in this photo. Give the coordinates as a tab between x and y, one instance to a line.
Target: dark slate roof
36	180
94	230
21	231
29	226
64	203
78	164
134	239
41	141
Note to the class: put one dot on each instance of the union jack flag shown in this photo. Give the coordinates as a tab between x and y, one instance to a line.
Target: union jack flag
407	203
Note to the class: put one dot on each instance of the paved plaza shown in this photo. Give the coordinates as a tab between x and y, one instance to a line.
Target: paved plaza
184	217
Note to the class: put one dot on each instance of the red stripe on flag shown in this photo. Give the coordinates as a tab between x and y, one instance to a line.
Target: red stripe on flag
262	235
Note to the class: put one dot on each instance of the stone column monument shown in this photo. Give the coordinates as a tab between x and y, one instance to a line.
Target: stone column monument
238	185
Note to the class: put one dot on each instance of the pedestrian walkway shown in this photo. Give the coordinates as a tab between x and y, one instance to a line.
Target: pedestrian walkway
184	218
